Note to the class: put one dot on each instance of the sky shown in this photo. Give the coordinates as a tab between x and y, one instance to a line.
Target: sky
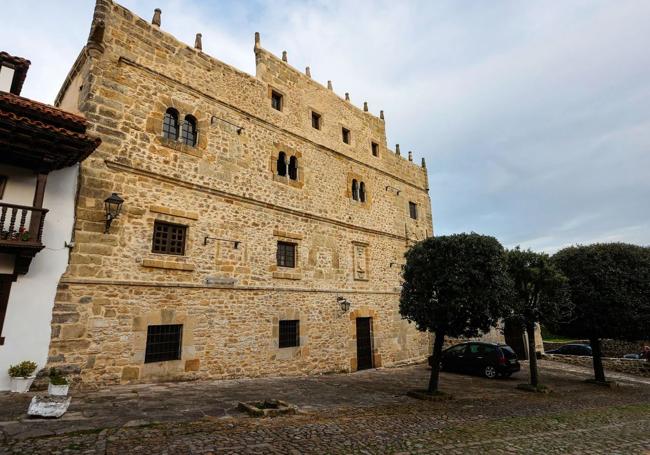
533	117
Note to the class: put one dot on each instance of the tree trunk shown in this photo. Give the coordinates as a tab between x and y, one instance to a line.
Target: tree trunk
599	372
435	364
532	355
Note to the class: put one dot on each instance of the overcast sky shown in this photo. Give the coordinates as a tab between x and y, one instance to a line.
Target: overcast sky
534	117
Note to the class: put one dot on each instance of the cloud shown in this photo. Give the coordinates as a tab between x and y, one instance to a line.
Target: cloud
534	117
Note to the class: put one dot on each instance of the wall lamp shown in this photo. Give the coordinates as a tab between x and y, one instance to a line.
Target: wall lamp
396	190
239	128
343	303
235	243
112	206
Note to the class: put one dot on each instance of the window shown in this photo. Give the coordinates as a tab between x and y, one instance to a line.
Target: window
282	164
286	254
355	190
315	120
163	343
413	210
170	124
188	133
375	149
168	238
346	135
3	184
293	168
362	192
289	334
276	100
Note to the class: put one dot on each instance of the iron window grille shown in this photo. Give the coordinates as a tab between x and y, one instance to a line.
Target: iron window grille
346	135
315	120
289	334
188	133
413	210
169	238
276	100
362	192
286	254
170	124
163	343
282	164
293	168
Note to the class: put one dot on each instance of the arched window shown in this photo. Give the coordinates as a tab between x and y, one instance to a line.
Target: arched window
362	192
355	190
293	168
188	133
282	164
170	124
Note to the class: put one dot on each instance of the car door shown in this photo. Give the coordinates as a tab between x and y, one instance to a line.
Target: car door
473	359
454	357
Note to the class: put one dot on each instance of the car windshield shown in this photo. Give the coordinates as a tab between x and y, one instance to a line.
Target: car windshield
508	353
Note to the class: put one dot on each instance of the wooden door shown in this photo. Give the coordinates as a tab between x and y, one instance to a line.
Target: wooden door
364	343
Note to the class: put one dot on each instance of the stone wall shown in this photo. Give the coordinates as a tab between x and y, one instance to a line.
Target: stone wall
630	366
226	289
610	348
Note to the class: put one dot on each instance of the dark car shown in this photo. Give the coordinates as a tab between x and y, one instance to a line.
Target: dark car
488	359
572	349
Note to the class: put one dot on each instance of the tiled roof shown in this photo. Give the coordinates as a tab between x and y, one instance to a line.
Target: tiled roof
20	65
43	112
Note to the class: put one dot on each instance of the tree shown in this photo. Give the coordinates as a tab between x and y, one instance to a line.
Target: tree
454	285
610	288
540	295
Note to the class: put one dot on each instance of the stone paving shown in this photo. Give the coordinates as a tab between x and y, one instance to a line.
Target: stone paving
364	412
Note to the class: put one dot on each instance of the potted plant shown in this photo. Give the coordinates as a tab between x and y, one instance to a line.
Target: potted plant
58	385
22	376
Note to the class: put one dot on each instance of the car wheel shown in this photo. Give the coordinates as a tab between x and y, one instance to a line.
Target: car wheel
490	372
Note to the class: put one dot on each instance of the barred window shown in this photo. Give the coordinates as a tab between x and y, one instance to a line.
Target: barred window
189	134
169	238
315	120
170	124
413	210
289	334
286	254
293	168
355	190
163	343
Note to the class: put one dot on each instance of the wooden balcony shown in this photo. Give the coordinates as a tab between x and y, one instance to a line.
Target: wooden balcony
21	233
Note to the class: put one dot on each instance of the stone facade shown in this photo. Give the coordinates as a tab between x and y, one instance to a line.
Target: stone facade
226	289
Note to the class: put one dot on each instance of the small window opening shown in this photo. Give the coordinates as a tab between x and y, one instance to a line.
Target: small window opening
286	254
289	334
276	100
282	164
315	120
362	192
293	168
355	190
163	343
346	135
170	124
169	238
413	210
375	149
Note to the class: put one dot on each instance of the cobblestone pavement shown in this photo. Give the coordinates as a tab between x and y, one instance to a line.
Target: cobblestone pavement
365	412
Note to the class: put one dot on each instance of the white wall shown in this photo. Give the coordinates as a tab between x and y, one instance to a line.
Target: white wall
29	313
20	187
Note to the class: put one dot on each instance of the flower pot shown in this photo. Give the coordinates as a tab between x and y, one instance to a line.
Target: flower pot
58	390
21	385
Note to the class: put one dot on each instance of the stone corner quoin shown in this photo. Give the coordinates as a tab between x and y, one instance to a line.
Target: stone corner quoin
222	242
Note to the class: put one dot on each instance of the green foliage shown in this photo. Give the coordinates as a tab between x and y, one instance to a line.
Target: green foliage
57	378
456	285
541	292
610	288
22	370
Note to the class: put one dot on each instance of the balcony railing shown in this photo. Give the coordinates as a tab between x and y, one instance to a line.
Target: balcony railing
20	225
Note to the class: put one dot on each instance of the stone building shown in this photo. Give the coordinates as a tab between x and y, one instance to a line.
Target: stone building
263	226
